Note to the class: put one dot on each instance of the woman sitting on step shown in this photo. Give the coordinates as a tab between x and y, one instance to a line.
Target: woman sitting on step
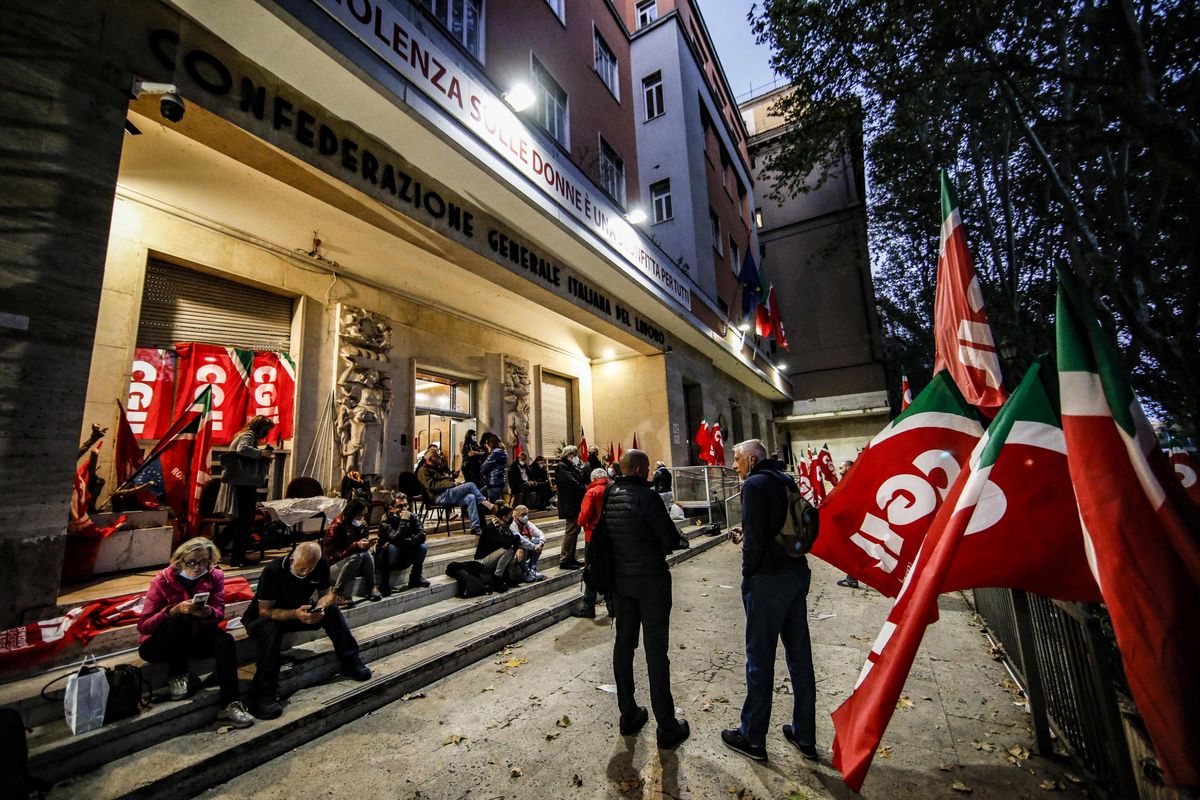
180	621
347	548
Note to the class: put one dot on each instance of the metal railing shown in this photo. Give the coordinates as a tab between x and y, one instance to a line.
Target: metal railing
706	492
1069	671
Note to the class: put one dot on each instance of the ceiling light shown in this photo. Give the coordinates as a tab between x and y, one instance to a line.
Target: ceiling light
636	216
780	367
520	97
608	354
744	327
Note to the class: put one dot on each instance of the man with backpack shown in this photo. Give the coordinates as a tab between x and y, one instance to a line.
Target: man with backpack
774	590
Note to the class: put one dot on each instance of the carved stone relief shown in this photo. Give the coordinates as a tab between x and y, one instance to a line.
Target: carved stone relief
516	400
364	390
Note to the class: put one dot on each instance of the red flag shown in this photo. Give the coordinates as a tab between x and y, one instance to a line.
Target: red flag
718	446
804	481
583	446
703	441
825	459
126	453
776	321
1141	533
635	444
963	336
273	393
762	320
151	389
999	526
905	393
874	520
620	452
814	476
516	448
1186	469
227	371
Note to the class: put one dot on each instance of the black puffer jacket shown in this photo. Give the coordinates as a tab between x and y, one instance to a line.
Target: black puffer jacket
570	486
640	529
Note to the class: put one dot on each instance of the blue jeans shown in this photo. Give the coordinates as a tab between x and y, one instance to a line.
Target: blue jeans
776	608
466	495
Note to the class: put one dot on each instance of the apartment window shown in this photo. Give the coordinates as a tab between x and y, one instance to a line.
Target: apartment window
559	7
733	256
552	103
715	222
647	12
612	172
652	93
660	199
606	63
464	20
758	218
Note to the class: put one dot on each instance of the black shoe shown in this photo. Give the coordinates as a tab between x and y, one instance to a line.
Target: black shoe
586	611
356	669
266	708
419	583
848	582
572	564
734	740
669	741
631	728
807	750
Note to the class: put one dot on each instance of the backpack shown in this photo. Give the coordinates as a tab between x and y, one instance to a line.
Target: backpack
125	695
801	524
600	568
470	579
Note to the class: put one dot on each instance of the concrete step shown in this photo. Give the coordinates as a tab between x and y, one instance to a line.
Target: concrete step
155	518
405	653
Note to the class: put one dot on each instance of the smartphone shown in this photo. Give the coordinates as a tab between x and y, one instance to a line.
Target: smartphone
200	599
312	608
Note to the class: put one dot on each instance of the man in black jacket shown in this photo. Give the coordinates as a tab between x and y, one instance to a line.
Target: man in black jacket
642	534
570	485
401	544
497	550
774	591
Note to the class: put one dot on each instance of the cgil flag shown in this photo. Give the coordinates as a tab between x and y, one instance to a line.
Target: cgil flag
1141	534
814	477
825	459
777	321
874	520
804	481
127	456
703	441
905	393
178	467
1009	520
717	442
962	333
1186	469
583	445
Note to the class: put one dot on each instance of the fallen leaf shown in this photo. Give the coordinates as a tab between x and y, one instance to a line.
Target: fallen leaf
489	688
708	706
576	780
225	729
720	699
607	687
1072	777
1050	785
628	786
959	786
413	696
515	771
564	722
883	751
946	767
512	662
905	702
552	735
986	747
1019	752
452	739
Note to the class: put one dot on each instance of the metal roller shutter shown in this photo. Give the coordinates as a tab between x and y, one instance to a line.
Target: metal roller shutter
182	305
555	413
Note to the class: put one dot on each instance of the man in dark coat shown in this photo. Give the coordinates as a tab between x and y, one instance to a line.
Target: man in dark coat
774	591
571	485
642	535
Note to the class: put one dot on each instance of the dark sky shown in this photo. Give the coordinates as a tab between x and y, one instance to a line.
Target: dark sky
745	63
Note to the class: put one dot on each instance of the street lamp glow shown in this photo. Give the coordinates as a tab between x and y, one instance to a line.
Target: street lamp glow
520	97
780	367
744	327
636	216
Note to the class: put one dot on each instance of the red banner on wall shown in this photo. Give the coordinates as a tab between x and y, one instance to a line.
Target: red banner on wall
227	370
273	392
151	389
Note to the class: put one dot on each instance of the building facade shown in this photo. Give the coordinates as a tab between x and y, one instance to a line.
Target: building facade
814	250
350	189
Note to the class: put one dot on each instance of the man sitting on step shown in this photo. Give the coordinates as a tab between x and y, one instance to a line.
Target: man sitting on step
498	551
295	594
438	481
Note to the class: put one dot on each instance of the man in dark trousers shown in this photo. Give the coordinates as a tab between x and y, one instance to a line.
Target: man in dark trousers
774	591
570	484
295	594
642	535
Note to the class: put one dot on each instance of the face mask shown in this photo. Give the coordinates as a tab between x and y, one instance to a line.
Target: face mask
358	523
195	577
522	519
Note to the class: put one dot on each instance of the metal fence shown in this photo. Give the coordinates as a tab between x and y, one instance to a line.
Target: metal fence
1069	670
704	493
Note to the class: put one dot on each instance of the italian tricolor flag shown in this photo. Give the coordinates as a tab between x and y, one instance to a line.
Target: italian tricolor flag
1141	535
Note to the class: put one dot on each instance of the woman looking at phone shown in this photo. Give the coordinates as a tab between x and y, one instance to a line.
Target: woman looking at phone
347	548
180	616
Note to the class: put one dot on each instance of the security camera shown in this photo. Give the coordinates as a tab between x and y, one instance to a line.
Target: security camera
171	106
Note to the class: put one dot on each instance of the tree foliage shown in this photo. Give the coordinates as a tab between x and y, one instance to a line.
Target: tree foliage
1070	130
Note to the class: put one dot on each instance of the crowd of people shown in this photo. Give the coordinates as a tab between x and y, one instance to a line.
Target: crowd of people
306	589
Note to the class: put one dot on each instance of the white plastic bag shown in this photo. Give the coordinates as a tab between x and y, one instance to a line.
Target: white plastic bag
86	697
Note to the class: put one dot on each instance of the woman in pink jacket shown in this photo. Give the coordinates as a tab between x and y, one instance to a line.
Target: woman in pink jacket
180	621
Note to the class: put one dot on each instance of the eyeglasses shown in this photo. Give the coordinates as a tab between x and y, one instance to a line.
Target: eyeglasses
193	563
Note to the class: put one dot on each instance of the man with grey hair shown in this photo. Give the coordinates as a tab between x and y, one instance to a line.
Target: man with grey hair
642	535
570	483
774	591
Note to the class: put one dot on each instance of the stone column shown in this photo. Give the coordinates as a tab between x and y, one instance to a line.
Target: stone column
62	111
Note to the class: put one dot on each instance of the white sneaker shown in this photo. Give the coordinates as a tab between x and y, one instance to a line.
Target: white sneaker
236	715
179	687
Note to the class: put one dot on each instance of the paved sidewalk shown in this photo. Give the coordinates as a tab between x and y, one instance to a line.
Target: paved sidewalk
535	724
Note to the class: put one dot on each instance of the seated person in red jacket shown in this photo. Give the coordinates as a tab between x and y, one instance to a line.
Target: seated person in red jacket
180	621
294	594
347	548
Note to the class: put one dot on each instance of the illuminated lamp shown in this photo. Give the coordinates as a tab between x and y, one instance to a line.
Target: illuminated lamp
636	216
520	97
